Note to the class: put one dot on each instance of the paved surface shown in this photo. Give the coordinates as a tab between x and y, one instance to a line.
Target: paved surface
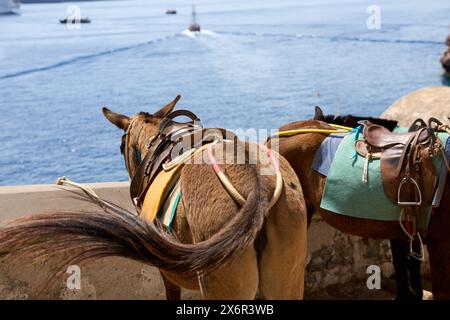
359	291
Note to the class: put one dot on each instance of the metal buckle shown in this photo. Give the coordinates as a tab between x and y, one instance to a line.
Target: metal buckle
151	141
404	181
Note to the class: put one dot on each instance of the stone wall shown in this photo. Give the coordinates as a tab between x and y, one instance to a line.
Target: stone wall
336	258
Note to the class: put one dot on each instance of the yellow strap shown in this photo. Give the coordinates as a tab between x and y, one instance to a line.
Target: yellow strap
161	186
293	132
339	129
156	192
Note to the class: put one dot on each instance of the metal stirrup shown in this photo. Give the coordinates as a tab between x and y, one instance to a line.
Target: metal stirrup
404	181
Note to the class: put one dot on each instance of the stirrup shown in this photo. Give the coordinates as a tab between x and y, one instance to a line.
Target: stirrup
404	181
418	256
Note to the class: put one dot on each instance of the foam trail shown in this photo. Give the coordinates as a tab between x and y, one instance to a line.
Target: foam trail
331	38
195	34
80	58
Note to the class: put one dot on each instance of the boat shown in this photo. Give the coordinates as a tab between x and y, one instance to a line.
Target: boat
9	6
171	11
74	20
194	26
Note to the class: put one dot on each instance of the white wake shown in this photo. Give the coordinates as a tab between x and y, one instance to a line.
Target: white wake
195	34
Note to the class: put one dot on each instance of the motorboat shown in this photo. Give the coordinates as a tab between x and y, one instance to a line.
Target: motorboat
194	26
74	20
9	6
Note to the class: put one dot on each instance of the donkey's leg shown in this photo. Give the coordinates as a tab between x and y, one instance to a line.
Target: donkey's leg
282	262
414	274
173	292
400	249
438	244
237	280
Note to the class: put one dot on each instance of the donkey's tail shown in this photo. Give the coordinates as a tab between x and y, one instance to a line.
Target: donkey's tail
117	232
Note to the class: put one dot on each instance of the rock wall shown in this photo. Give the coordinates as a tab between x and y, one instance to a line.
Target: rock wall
336	258
423	103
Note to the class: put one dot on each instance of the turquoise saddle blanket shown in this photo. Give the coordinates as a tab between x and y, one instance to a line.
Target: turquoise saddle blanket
345	192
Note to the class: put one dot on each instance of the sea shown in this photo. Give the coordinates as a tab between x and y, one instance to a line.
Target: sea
256	64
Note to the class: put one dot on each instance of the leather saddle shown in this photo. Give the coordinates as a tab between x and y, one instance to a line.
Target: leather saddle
173	141
407	171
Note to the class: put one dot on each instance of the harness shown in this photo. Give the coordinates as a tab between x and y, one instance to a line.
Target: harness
161	150
175	143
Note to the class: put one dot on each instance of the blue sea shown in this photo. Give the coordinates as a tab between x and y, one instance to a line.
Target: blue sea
256	64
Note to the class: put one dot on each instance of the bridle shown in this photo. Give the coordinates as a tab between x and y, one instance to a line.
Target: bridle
159	148
126	152
195	121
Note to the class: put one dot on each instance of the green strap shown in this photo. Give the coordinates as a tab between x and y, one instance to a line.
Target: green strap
174	210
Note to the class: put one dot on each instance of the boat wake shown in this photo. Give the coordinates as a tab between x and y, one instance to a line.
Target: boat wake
195	34
82	58
331	38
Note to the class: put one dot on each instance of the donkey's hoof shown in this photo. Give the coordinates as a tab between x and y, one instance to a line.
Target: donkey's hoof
427	295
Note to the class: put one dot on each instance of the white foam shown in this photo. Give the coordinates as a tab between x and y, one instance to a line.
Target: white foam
208	32
194	34
189	34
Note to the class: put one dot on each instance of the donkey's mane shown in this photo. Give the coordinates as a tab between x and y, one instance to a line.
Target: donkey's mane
352	121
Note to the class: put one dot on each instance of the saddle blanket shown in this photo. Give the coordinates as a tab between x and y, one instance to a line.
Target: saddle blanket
162	197
345	192
325	155
164	194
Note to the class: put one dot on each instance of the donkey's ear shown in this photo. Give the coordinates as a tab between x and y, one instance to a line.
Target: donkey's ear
120	120
167	108
318	114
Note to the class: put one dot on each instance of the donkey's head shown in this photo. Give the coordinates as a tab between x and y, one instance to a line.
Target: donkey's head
138	131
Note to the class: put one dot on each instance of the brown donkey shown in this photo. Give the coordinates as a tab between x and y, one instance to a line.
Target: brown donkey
300	150
213	245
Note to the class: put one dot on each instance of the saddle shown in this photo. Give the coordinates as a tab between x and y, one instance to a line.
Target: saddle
407	171
174	142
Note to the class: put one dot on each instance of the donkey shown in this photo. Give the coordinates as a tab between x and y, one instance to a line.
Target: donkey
403	264
212	247
300	150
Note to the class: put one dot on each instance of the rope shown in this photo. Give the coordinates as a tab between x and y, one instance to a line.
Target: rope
297	131
339	129
226	183
279	183
232	190
175	162
91	193
64	180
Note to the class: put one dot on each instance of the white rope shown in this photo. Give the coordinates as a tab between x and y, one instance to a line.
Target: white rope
64	180
91	193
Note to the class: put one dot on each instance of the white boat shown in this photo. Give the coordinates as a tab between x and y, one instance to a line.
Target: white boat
9	6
